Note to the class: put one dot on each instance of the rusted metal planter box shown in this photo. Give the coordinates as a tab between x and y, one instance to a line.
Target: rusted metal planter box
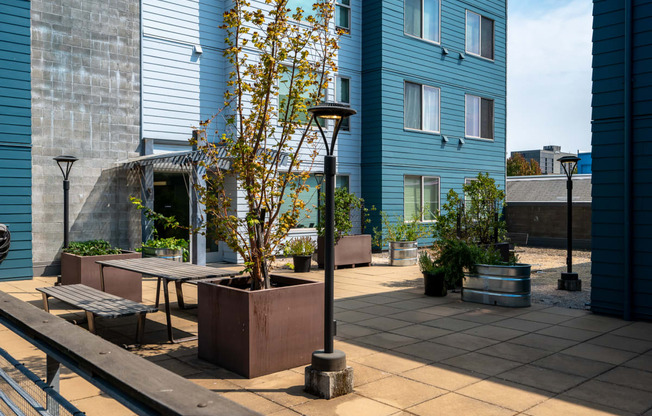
83	269
254	333
350	250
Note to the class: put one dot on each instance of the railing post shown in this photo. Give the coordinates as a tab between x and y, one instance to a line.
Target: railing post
52	378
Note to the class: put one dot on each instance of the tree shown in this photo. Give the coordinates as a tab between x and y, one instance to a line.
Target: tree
518	166
279	68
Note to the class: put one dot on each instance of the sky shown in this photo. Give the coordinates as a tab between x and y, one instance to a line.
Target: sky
549	74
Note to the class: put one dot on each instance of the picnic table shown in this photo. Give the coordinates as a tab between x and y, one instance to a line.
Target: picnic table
166	271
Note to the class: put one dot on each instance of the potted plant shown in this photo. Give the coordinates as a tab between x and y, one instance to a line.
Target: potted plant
172	248
350	250
78	265
401	237
434	276
301	250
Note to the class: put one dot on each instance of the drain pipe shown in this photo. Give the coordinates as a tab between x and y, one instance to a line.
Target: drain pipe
628	160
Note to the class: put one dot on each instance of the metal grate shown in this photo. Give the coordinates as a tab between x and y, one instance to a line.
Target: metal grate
22	393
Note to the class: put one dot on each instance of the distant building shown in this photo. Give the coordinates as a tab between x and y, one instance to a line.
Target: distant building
584	165
546	157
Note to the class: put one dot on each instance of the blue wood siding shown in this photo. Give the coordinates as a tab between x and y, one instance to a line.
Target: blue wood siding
608	162
389	59
15	137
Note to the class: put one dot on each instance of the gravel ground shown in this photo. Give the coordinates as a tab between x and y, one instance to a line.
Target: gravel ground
547	265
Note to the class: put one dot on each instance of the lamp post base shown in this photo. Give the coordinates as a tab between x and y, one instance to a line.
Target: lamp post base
328	376
570	282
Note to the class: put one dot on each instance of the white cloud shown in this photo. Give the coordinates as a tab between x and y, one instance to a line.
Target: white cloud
549	77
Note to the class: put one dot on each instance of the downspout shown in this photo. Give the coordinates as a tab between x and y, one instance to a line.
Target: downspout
628	160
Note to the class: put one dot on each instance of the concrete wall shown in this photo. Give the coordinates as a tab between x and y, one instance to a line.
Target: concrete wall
545	223
85	103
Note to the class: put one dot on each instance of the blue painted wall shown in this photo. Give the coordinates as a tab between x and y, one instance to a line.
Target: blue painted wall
15	137
584	165
389	58
610	291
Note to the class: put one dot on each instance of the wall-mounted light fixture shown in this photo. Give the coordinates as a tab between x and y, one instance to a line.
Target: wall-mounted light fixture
197	49
444	51
462	141
444	139
462	55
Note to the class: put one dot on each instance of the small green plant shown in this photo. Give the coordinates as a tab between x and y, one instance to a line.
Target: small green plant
345	204
91	248
400	230
301	246
171	243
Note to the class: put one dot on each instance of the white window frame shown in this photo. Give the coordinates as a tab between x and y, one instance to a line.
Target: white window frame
436	42
493	36
422	178
422	117
343	128
338	3
493	122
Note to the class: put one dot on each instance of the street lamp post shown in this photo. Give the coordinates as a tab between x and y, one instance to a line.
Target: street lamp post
65	164
328	362
569	280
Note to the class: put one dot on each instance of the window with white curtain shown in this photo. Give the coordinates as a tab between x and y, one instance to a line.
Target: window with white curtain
420	197
479	117
421	19
421	107
479	35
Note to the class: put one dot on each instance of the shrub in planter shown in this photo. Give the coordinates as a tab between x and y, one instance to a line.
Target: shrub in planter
301	250
78	265
401	236
170	248
434	276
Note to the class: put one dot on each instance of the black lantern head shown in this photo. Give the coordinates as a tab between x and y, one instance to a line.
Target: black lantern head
569	163
65	164
319	176
332	111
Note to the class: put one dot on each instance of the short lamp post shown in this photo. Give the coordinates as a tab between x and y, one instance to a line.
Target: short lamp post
328	376
569	280
65	164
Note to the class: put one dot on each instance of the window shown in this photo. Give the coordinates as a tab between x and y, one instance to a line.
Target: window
479	117
342	181
305	5
308	216
422	19
479	35
343	15
342	95
421	107
283	96
421	197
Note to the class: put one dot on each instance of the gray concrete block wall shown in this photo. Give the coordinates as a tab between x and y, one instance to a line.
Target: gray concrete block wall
85	103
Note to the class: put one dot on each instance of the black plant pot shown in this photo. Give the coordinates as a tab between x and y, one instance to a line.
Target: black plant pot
302	263
435	284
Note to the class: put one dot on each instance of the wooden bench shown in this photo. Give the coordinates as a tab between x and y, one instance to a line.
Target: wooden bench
97	303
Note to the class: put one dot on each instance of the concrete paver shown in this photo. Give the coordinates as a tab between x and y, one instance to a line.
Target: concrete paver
411	354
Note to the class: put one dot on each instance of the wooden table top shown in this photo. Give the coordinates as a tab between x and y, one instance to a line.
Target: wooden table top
167	269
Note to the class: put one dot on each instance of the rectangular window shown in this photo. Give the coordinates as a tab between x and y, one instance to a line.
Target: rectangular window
479	35
308	216
305	5
420	197
479	117
421	19
342	95
283	97
421	107
343	15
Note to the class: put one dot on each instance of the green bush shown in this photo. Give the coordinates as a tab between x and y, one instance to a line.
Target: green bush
345	204
302	246
171	243
91	248
400	230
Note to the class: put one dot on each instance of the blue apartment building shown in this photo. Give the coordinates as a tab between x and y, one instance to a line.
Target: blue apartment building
15	137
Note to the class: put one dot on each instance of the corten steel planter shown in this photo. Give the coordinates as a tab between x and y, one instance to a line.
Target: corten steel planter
83	269
302	263
164	253
350	250
499	285
403	253
260	332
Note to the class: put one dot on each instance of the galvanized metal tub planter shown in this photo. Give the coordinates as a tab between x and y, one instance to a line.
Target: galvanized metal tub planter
499	285
164	253
403	253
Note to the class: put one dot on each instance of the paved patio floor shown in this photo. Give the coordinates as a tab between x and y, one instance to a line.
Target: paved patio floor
411	354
